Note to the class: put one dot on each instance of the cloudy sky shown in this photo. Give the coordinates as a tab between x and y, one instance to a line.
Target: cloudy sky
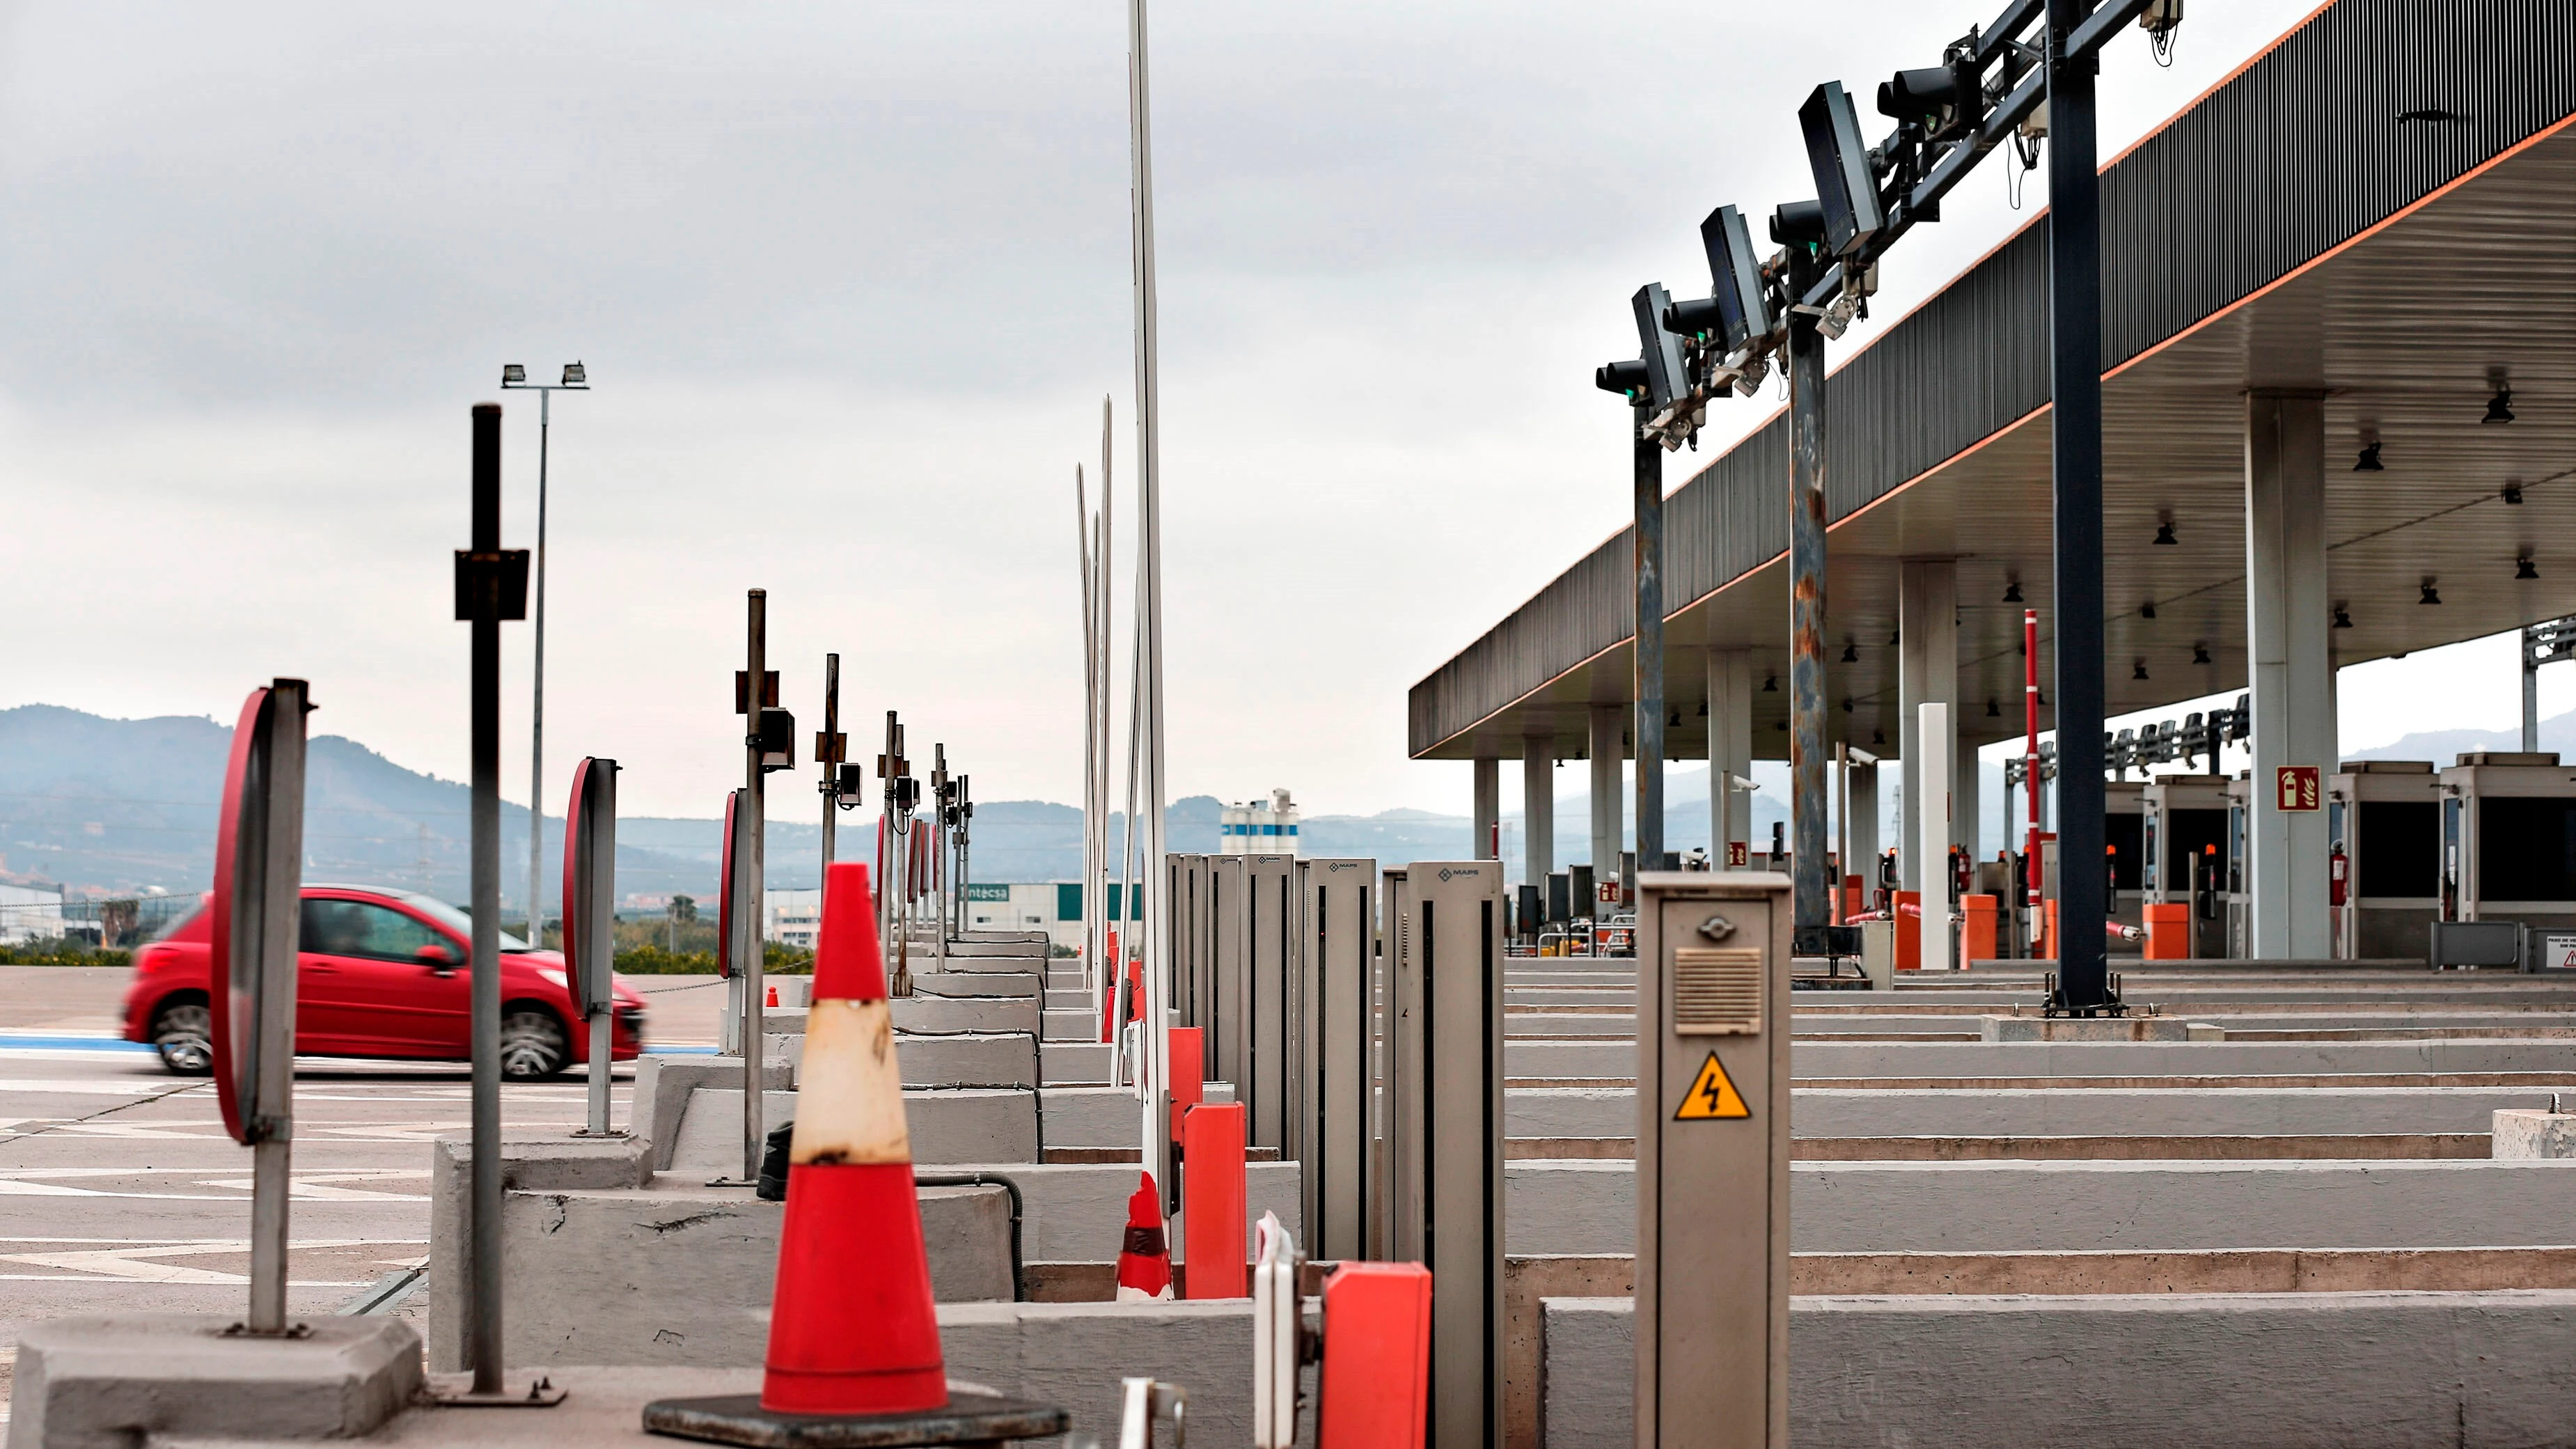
852	283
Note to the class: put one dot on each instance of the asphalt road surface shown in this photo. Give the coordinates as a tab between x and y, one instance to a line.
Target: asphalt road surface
121	1193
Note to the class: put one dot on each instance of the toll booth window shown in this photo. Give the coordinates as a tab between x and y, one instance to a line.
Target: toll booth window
2189	833
357	928
2126	835
2526	848
2400	848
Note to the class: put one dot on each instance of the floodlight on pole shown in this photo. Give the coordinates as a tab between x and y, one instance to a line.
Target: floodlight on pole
575	379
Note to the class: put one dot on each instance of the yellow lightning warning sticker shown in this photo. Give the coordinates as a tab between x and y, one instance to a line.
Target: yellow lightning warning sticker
1712	1096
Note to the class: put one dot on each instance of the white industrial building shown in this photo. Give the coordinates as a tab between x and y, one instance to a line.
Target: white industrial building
28	913
1259	827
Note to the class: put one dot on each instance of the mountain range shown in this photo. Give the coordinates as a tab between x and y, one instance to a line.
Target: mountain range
121	806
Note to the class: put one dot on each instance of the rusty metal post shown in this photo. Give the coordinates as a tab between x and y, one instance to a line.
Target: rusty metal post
2075	432
1649	653
1808	897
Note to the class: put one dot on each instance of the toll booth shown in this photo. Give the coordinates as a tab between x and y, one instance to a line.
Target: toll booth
2124	831
2384	827
1444	1041
1712	1282
2186	847
2509	843
1269	918
1333	1085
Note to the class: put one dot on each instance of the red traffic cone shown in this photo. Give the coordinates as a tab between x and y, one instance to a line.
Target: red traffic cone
773	996
1144	1260
851	1327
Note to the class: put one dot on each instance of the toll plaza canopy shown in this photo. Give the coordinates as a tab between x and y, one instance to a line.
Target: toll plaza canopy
2379	211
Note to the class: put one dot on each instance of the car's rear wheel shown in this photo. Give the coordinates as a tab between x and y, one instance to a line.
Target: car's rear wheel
534	1044
183	1033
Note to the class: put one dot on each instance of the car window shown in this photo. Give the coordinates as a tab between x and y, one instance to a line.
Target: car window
362	928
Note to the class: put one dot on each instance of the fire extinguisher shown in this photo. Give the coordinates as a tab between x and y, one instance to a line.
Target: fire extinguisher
2339	875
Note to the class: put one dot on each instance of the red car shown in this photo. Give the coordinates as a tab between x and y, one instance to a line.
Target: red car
381	974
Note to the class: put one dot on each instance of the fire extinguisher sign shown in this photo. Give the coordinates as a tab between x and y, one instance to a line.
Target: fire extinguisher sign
2295	787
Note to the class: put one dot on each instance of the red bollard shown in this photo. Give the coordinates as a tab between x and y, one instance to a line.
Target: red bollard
1212	1202
1376	1376
1909	930
1189	1075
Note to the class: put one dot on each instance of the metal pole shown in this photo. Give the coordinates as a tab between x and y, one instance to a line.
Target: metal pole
1149	603
747	857
1090	734
1842	818
887	841
2530	692
537	696
599	834
1105	552
936	854
831	776
1129	848
1647	455
2075	381
1806	605
273	1101
483	1299
2030	902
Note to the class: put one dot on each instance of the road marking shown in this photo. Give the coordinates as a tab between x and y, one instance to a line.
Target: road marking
141	1265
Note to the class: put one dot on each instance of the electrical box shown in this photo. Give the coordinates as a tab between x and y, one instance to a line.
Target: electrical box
1712	1300
1445	1130
1337	1025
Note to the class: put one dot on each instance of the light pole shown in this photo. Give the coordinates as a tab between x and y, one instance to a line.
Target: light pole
574	380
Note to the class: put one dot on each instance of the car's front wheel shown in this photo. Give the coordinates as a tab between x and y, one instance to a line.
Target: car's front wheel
534	1045
183	1033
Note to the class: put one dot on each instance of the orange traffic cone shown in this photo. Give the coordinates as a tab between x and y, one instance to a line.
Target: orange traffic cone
851	1327
1144	1260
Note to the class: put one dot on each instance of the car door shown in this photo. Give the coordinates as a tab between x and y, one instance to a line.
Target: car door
394	983
330	984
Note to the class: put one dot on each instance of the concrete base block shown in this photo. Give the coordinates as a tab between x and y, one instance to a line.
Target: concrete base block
1073	1355
114	1383
2085	1028
926	1013
957	985
1080	1026
1828	1112
1074	1063
999	945
1589	1207
531	1162
1817	1061
948	1124
969	1059
2236	1371
678	1274
662	1088
2535	1134
2152	1111
1091	1116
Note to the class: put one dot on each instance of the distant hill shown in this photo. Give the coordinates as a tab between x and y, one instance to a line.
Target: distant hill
2444	747
128	806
